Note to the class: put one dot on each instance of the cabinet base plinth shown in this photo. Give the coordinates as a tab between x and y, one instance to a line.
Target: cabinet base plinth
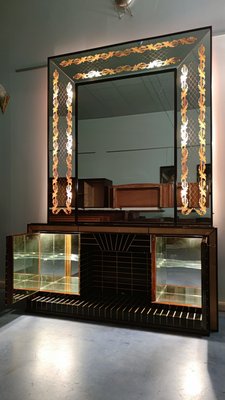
122	310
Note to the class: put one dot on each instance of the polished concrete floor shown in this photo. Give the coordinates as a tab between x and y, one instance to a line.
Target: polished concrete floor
45	358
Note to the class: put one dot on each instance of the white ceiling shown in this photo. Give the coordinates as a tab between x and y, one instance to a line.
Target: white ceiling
176	15
135	95
83	24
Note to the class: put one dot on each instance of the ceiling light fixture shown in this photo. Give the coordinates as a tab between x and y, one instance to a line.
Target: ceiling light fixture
123	6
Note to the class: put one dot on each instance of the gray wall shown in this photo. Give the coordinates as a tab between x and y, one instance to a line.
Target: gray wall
32	30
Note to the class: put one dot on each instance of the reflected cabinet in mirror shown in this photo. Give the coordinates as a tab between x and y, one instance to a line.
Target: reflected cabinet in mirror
130	132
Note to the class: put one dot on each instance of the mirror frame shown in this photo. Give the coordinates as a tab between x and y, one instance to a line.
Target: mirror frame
189	54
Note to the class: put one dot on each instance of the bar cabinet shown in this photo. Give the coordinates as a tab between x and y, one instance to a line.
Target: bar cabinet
129	237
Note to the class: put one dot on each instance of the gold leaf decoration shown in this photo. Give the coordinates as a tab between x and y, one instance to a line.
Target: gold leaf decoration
69	148
55	136
127	68
201	136
127	52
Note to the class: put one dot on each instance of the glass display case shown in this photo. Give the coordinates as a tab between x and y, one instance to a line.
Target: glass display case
178	270
155	277
118	117
45	262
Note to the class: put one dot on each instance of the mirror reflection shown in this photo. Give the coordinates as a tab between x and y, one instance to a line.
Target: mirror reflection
125	137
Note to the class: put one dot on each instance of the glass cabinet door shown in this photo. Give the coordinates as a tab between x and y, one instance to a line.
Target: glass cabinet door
178	270
42	262
26	264
59	256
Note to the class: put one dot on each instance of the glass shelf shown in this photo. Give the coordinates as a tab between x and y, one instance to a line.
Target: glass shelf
47	262
178	271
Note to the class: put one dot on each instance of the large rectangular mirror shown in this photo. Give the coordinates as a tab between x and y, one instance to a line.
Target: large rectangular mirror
130	132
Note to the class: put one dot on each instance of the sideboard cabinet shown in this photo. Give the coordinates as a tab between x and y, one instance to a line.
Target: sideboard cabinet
129	237
158	278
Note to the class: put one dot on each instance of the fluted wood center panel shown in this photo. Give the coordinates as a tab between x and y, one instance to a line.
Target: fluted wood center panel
118	264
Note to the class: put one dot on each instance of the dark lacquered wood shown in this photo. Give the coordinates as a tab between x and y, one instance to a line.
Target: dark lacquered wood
120	261
136	195
153	268
9	271
213	281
